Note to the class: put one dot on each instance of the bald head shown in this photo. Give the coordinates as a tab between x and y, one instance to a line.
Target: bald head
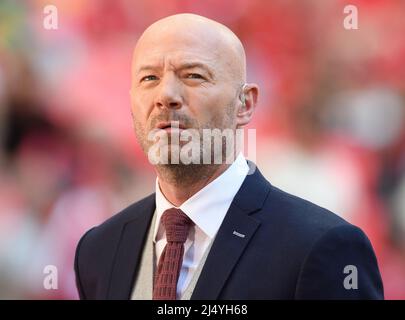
193	33
189	69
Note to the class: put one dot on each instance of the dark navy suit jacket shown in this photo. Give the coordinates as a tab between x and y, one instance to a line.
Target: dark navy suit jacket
292	249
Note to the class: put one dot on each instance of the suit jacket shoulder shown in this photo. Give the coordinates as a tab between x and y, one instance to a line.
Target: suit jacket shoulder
97	249
301	251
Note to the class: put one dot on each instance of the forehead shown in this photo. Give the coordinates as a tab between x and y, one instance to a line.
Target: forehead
166	47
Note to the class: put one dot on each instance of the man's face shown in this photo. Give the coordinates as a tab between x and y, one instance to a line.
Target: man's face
181	77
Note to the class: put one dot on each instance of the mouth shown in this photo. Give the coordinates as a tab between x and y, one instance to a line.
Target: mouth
170	125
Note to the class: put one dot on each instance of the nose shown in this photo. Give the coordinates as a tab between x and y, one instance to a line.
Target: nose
169	94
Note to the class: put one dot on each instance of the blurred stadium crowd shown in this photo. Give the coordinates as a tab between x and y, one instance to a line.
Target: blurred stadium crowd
330	121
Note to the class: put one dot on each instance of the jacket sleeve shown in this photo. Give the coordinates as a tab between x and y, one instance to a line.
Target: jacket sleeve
79	283
340	265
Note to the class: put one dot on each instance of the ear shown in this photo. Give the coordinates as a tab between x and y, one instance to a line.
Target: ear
247	104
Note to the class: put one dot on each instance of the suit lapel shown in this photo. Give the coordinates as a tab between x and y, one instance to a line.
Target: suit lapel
235	232
129	251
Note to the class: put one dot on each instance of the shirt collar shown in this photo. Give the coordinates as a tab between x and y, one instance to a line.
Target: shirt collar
208	207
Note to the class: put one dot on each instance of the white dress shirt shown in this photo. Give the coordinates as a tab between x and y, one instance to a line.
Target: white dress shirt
207	209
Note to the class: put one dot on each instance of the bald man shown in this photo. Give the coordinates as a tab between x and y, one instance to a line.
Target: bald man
215	228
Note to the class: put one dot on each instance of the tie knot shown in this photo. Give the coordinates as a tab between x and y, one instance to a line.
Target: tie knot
177	225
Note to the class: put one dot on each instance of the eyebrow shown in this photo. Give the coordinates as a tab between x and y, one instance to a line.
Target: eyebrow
186	65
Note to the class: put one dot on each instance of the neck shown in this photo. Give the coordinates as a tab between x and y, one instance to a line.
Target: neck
180	183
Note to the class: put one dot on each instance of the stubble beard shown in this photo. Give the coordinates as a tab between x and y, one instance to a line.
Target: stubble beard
180	174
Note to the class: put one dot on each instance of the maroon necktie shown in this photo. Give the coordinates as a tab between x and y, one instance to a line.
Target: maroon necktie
177	225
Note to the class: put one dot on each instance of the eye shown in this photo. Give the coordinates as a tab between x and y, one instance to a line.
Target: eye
149	78
194	76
